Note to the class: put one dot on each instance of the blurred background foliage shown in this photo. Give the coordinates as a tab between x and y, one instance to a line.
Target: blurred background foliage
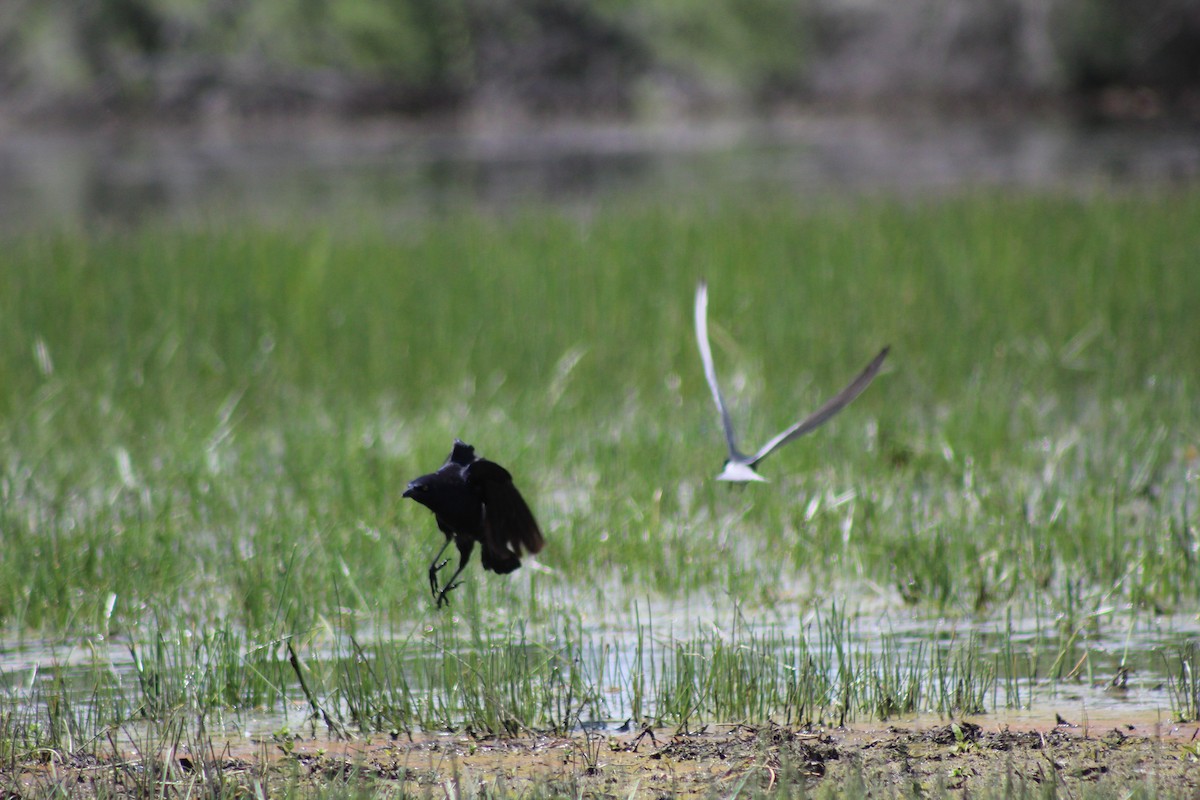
595	57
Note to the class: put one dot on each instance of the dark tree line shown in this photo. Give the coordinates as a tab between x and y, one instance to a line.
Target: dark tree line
608	57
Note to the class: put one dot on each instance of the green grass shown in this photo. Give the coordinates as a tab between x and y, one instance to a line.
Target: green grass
204	434
519	680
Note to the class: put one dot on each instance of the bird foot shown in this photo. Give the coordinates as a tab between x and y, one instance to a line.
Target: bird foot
442	600
434	568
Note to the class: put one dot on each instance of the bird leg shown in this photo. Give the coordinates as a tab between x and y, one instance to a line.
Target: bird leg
450	584
434	567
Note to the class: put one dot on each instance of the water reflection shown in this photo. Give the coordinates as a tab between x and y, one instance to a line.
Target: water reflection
1039	667
276	172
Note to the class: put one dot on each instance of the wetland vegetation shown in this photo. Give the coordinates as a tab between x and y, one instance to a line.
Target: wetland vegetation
205	429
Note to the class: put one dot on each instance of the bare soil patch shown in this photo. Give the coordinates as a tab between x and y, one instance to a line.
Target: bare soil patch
949	758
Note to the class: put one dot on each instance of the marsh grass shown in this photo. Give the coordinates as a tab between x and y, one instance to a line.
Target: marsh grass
510	685
526	680
1182	668
203	434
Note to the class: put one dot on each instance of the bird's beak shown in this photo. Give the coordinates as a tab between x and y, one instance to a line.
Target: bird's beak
408	492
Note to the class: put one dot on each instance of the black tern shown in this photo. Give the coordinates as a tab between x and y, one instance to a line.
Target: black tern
739	467
474	500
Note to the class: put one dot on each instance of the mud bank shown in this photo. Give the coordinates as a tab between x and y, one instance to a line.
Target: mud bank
937	759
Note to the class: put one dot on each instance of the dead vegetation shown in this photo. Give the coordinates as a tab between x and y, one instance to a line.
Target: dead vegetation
957	758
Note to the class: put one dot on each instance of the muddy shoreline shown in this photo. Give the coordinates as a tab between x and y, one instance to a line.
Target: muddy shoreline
933	758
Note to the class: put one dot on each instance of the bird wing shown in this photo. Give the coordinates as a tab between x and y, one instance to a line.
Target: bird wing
508	522
710	371
825	412
462	453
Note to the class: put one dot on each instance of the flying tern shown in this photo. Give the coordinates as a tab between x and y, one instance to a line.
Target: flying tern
739	467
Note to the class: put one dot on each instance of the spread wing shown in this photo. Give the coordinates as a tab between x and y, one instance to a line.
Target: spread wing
825	412
508	524
710	371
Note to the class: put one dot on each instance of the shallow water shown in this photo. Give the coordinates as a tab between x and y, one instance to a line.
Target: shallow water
312	170
1109	666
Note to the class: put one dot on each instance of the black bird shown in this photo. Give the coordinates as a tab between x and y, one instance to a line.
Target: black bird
474	500
739	467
